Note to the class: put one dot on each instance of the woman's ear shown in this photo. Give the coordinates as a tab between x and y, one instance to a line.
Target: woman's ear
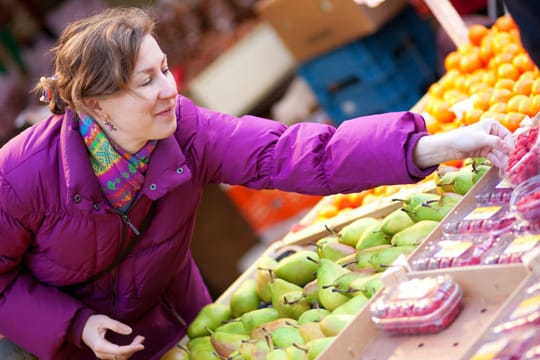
92	107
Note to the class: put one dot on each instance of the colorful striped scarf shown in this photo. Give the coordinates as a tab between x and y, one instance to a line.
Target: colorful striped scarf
119	173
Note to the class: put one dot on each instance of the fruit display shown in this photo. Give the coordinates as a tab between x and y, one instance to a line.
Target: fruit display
418	306
491	76
523	160
299	297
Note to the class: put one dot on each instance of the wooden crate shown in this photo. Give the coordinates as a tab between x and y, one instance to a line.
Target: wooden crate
487	290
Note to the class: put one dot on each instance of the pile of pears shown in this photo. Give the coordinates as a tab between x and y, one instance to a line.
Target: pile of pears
298	301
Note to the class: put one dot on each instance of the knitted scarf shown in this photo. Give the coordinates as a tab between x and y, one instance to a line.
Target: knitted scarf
119	173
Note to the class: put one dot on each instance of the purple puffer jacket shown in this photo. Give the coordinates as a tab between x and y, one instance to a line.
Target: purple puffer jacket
57	230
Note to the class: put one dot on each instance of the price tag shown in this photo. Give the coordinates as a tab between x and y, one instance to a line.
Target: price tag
490	350
482	213
452	249
522	244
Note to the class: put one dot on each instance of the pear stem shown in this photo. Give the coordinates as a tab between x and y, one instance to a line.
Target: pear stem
312	259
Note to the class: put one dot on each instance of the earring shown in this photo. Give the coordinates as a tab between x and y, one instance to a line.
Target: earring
110	125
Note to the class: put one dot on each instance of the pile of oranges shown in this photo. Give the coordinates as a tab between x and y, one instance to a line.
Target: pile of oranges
493	72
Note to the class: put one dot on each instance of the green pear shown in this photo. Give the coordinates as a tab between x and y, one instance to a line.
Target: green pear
208	319
287	336
292	304
263	277
311	292
317	346
415	199
312	315
343	281
396	221
277	354
298	268
244	298
351	233
257	317
278	287
415	234
225	343
254	350
327	273
332	324
296	353
234	326
463	182
363	257
176	353
373	236
352	306
436	210
479	171
311	331
384	258
203	349
367	285
332	249
264	330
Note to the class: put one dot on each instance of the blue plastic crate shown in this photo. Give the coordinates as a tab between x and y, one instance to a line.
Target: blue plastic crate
387	71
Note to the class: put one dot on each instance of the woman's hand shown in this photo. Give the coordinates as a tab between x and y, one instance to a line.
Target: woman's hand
486	138
94	332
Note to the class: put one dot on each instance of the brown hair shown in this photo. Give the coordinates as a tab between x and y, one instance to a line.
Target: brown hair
95	56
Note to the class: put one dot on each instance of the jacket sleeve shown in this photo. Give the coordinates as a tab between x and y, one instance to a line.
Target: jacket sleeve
37	317
310	158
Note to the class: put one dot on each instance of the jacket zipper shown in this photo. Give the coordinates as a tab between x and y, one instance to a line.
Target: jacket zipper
174	313
115	273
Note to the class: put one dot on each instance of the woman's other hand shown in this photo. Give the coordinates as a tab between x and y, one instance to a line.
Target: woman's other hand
93	336
486	138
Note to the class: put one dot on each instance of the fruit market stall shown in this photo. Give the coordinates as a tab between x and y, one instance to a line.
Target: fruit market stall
447	268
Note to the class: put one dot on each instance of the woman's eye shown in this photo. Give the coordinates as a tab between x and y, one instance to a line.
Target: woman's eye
166	70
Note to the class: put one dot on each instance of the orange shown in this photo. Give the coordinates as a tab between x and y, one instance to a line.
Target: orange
328	211
523	86
481	100
535	89
499	59
486	50
453	96
501	95
504	23
476	33
471	116
478	87
432	125
460	83
508	71
535	104
442	113
470	61
524	106
499	107
492	115
448	79
452	61
489	77
357	198
504	84
511	120
436	90
523	62
499	41
528	75
513	103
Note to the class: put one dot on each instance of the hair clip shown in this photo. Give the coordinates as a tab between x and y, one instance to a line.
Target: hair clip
47	93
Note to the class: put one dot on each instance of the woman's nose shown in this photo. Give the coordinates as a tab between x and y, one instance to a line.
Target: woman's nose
169	89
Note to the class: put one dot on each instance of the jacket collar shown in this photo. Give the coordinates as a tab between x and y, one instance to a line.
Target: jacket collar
167	169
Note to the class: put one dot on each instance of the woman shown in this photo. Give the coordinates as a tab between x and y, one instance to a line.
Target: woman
97	203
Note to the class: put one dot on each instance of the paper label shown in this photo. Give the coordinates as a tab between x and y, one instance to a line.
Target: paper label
522	244
416	289
482	213
452	249
490	350
526	307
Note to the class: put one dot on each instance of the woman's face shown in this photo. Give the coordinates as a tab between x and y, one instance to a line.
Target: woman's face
147	110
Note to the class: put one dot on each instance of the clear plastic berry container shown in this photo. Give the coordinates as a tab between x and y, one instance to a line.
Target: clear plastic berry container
454	251
525	202
512	245
524	160
497	196
523	312
511	346
418	306
482	219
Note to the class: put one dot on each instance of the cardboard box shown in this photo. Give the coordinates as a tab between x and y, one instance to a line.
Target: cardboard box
310	28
